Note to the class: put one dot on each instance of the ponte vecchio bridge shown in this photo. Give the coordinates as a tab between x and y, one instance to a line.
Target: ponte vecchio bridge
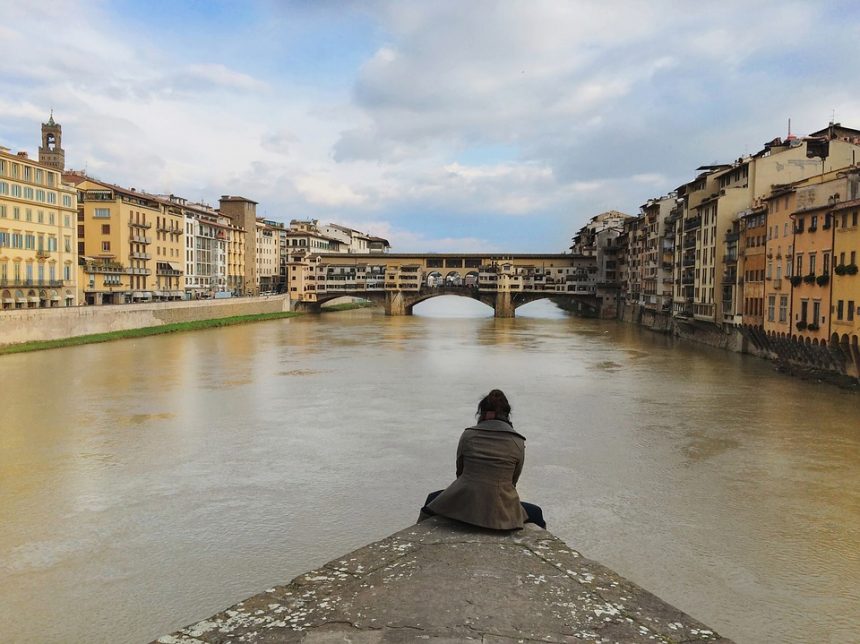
400	281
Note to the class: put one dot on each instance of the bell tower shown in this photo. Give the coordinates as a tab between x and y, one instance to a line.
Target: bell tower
51	152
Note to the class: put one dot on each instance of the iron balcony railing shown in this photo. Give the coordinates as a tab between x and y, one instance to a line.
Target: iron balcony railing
20	283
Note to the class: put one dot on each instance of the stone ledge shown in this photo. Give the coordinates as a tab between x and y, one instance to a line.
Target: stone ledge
447	582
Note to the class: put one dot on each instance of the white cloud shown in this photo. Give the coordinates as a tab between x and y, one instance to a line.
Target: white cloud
594	105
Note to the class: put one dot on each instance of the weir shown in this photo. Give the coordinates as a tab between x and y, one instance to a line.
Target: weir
445	581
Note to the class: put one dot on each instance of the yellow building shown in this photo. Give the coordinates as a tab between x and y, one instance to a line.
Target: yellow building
780	205
130	244
38	258
845	295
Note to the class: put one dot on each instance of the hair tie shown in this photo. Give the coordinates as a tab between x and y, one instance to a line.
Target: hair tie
489	415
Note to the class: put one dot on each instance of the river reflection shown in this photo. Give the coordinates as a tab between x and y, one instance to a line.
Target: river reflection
145	484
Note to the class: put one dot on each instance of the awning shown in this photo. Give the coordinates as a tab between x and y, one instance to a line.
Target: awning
22	300
9	300
33	298
55	298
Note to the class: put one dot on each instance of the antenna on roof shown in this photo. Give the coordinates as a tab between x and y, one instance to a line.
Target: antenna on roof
833	116
789	127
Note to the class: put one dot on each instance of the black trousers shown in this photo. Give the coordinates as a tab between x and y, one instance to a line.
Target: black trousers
534	512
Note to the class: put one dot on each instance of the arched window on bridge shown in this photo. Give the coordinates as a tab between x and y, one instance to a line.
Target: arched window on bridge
453	279
435	279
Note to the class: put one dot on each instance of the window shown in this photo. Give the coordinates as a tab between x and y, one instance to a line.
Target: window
52	244
816	312
799	265
854	218
804	311
40	195
67	244
52	197
4	188
16	190
2	211
67	201
67	272
28	193
850	310
825	263
840	306
105	229
106	246
101	213
40	217
771	305
812	263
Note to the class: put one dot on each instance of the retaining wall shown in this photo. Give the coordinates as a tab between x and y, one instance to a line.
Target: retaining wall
33	325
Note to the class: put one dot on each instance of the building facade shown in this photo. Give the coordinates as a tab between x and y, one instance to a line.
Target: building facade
38	252
130	244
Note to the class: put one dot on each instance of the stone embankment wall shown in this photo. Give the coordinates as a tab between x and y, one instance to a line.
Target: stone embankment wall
448	582
32	325
835	362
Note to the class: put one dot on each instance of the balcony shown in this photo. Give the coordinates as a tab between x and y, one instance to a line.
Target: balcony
103	267
136	255
692	224
137	224
689	261
139	271
27	283
42	254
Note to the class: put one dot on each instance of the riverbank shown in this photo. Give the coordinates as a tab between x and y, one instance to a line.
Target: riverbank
347	306
24	326
836	363
447	581
143	332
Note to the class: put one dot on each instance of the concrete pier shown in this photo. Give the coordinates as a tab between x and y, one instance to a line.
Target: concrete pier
443	581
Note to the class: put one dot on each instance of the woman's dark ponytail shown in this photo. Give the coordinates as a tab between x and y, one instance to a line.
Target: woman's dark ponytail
494	405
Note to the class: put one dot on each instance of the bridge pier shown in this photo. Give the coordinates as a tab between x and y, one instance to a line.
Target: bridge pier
395	304
504	307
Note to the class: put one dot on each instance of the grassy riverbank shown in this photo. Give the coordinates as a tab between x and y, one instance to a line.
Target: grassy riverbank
144	332
347	306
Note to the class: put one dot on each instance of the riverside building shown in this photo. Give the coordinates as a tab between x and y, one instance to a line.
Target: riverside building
213	256
130	244
242	213
38	254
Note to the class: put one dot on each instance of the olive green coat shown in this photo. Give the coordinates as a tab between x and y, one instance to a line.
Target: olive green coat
490	458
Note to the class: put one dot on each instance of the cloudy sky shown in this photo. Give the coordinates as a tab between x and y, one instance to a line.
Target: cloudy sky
440	125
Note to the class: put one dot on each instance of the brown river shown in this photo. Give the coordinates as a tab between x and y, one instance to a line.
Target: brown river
146	484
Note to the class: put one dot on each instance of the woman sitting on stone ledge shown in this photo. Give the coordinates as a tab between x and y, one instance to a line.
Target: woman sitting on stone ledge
490	459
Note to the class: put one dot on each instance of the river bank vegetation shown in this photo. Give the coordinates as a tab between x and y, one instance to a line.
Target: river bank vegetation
144	332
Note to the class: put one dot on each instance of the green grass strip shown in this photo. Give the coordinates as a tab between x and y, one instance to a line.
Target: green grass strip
144	332
346	306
